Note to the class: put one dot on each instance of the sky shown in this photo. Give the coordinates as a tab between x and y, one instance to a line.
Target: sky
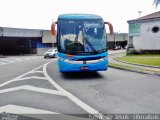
39	14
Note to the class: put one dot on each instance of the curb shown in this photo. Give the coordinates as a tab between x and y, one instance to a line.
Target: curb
137	71
113	54
136	64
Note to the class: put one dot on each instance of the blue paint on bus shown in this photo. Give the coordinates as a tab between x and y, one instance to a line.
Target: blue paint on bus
81	43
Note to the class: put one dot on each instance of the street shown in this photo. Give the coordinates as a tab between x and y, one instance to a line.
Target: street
33	85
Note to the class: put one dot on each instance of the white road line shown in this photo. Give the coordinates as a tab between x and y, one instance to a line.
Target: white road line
27	58
61	91
14	60
2	63
37	72
29	72
18	59
33	77
17	78
20	79
33	88
16	109
77	101
9	61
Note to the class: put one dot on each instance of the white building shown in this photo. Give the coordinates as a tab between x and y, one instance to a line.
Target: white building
144	34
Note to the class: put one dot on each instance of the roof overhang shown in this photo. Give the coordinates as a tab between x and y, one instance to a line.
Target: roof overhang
143	20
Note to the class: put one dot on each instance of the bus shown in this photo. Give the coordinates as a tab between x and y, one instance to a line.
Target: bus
81	42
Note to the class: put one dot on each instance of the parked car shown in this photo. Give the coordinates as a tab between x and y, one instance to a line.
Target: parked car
125	47
117	48
51	53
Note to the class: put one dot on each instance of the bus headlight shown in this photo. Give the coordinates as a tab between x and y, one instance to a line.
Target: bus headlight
104	58
63	59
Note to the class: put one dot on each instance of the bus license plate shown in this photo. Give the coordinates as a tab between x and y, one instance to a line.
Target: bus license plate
84	68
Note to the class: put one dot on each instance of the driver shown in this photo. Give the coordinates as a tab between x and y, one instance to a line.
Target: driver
75	45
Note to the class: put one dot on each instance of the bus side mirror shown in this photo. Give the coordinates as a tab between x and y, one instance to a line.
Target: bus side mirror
110	27
53	29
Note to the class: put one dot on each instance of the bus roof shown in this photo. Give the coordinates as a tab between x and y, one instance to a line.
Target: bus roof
79	17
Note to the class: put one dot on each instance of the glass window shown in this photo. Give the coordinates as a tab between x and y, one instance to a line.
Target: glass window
82	36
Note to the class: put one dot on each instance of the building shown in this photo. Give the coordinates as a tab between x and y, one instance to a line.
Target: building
144	34
117	39
18	41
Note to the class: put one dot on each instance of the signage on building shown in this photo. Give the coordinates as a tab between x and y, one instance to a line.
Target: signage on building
134	29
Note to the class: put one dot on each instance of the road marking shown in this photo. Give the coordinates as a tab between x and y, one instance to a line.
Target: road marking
18	59
37	72
32	88
77	101
18	78
9	61
2	63
15	109
29	72
13	60
59	91
27	58
33	77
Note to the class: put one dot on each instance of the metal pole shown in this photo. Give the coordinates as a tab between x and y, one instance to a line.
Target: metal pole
114	40
30	46
139	13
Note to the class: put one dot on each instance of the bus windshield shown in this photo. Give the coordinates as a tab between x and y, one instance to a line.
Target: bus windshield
81	37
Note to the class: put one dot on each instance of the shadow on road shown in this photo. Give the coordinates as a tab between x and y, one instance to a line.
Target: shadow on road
81	75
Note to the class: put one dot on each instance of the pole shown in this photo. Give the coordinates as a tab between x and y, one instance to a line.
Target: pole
114	40
139	13
30	46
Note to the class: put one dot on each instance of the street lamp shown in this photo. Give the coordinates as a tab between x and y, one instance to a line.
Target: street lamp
139	13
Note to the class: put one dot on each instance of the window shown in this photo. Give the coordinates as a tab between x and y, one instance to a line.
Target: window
82	36
155	29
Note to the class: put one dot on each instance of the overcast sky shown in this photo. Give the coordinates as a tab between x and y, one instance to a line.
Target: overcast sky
38	14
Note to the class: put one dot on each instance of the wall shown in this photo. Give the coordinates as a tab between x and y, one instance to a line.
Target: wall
41	40
18	32
48	37
117	37
148	39
1	31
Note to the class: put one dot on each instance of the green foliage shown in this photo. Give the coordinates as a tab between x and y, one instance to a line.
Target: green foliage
156	2
153	60
131	68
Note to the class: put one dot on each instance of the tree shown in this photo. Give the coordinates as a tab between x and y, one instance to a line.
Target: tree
156	2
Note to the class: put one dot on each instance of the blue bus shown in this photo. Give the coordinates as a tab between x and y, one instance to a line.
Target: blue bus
81	42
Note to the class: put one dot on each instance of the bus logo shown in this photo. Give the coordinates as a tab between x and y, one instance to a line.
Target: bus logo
84	62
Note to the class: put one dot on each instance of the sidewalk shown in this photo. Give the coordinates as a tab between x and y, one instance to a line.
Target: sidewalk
113	52
129	66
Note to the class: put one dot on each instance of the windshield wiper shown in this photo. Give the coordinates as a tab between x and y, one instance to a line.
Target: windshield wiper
90	45
87	41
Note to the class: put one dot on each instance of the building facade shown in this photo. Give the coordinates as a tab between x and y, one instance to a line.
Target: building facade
18	41
144	34
117	39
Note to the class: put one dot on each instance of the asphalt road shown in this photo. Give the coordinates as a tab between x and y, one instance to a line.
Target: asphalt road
33	85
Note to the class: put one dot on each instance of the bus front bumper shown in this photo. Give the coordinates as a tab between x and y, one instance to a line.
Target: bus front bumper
81	67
